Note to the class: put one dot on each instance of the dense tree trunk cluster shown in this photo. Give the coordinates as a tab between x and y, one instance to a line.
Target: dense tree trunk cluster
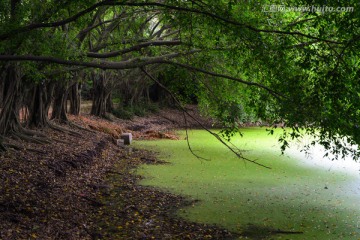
9	117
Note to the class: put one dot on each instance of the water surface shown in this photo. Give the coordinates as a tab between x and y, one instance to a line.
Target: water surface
312	195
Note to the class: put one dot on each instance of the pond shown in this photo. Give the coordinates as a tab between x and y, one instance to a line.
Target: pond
298	194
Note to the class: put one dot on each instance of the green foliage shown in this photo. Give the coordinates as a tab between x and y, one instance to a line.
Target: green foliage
152	107
180	82
139	109
116	100
315	78
123	113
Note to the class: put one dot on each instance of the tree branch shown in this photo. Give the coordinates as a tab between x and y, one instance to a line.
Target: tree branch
133	48
154	4
238	154
34	26
272	92
303	44
128	64
230	21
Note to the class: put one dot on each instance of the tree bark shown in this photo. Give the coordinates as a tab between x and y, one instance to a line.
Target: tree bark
75	98
126	64
109	104
2	146
9	117
39	105
2	89
59	104
100	95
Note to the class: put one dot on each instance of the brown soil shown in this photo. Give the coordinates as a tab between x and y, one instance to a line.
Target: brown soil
84	187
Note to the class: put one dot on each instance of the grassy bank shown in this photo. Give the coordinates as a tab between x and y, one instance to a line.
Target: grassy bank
247	198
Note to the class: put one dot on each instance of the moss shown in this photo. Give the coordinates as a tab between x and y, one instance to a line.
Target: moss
232	193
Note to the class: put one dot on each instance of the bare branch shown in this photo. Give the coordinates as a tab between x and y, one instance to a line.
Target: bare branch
188	141
85	31
82	34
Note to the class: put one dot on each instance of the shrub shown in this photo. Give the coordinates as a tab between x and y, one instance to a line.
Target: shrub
123	113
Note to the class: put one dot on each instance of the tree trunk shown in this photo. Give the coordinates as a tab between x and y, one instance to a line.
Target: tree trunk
2	87
75	98
100	96
2	146
9	117
109	104
39	106
59	104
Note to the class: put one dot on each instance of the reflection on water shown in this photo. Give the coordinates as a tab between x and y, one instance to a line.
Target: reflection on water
314	158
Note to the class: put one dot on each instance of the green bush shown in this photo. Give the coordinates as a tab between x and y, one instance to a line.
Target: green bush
140	109
116	100
153	107
123	113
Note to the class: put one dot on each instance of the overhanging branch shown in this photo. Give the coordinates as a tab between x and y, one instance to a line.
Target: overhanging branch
137	63
133	48
238	154
128	64
34	26
191	68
